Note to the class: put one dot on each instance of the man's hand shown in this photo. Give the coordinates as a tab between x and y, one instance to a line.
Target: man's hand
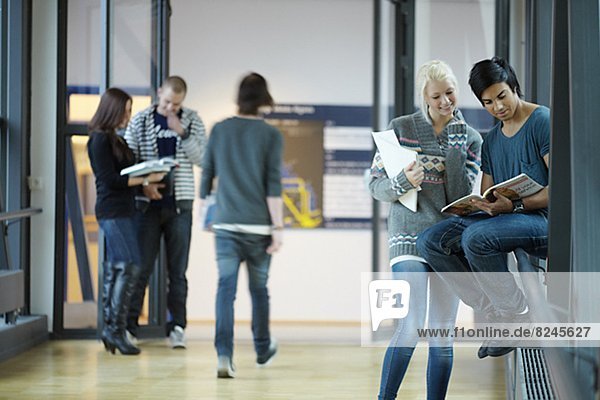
151	191
502	205
414	173
175	124
276	241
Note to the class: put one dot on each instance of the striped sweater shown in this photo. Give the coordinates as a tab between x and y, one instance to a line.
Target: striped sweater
451	163
141	136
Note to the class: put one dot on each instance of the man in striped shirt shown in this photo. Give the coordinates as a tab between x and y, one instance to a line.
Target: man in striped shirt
166	129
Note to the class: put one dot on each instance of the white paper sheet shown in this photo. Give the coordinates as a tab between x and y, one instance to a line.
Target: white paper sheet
395	158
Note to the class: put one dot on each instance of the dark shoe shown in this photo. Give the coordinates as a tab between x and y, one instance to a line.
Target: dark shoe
497	351
108	281
113	341
126	276
114	336
494	348
137	301
482	352
498	347
265	359
108	345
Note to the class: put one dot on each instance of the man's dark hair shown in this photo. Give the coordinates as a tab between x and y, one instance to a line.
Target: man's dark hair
253	94
486	73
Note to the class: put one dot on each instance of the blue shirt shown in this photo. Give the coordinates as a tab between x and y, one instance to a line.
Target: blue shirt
505	157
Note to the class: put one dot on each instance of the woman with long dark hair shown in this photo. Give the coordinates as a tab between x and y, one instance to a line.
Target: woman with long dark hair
109	154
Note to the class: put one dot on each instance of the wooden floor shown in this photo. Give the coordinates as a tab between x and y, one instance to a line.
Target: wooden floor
81	369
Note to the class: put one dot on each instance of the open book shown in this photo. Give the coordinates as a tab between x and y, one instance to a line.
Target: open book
515	188
395	158
150	166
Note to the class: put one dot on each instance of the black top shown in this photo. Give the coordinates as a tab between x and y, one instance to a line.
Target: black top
114	198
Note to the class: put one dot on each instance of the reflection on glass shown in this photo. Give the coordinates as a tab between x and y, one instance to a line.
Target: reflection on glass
439	35
80	307
84	59
130	69
83	106
132	46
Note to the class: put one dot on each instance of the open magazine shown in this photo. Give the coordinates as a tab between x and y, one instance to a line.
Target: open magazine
514	188
150	166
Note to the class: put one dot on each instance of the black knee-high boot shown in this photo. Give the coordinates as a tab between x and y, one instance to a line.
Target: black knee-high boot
126	275
108	281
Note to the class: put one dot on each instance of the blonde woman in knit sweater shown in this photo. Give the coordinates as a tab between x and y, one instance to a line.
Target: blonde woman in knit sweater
448	163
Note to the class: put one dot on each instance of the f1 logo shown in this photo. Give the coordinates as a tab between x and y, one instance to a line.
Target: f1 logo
388	299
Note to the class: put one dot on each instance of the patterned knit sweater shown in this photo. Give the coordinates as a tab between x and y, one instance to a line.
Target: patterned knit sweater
451	163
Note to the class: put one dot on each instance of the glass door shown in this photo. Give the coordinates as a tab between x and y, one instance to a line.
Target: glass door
108	43
459	33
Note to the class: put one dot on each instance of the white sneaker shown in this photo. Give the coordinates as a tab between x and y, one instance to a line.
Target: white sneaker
267	358
177	338
132	339
225	367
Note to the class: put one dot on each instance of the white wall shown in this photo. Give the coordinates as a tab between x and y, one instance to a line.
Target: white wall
43	154
312	52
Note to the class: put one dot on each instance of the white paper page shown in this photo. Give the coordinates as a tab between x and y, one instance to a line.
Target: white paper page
395	158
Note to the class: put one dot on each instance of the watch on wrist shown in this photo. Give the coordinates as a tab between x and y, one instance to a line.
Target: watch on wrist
145	182
518	206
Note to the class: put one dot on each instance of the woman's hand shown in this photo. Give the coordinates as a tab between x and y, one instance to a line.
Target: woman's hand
414	173
156	177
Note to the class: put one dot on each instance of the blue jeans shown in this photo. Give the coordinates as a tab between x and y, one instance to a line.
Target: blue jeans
480	243
176	226
232	249
443	306
121	239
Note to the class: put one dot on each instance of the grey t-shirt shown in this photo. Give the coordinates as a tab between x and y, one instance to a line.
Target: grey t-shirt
245	155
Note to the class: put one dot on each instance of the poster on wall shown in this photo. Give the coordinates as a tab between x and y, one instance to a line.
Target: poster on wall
327	152
348	154
302	172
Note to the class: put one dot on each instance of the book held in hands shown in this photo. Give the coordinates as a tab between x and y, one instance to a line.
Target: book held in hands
395	158
150	166
514	188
